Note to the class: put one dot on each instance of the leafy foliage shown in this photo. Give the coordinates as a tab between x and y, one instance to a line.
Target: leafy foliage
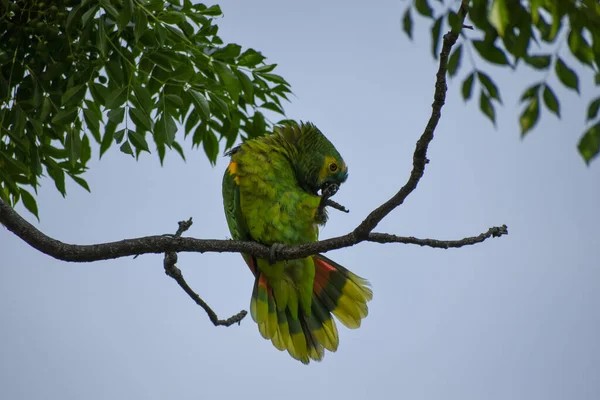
504	33
120	72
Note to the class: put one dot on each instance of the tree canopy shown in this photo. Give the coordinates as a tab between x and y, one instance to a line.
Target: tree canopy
120	72
510	33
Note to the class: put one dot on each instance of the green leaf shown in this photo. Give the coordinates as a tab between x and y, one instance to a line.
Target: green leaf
228	52
93	123
73	146
423	8
116	115
566	75
65	117
499	16
214	11
247	86
454	61
489	85
126	148
86	149
274	78
29	202
141	23
530	115
539	61
211	146
58	176
139	141
551	101
116	98
593	109
589	144
140	119
250	58
174	99
76	93
107	140
436	31
530	92
486	107
265	68
407	23
80	181
467	86
491	53
165	130
201	103
125	14
179	150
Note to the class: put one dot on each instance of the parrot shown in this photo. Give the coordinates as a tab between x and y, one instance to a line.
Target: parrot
271	196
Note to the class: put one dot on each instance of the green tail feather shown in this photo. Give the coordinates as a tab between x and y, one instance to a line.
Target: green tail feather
306	335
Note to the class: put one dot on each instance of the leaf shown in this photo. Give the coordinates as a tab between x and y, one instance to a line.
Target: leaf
92	122
436	31
73	146
125	14
467	86
423	8
274	78
589	144
530	92
211	146
65	117
551	101
138	140
530	116
81	182
250	58
140	119
454	61
489	85
29	202
116	98
499	16
179	150
201	103
86	149
566	75
76	93
486	107
126	148
593	109
229	80
490	52
539	61
247	86
107	140
407	23
116	115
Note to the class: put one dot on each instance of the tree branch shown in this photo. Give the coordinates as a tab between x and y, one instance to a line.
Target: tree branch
175	273
363	232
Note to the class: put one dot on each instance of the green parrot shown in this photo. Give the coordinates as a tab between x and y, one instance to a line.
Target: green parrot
271	196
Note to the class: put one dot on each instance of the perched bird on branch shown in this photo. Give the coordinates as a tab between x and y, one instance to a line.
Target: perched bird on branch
275	191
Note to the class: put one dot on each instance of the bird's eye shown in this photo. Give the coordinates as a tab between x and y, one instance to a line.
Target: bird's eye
333	167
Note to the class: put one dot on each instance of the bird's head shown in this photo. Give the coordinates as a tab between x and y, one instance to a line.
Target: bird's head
317	162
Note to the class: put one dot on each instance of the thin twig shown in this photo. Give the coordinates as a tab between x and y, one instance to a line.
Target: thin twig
175	273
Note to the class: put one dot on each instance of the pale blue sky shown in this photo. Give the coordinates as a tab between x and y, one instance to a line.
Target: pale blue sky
512	318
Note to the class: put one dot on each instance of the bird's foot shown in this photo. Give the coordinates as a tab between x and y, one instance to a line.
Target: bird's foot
275	251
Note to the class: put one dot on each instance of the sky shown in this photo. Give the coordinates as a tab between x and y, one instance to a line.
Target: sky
515	317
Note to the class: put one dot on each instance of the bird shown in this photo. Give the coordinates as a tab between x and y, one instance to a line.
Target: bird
275	190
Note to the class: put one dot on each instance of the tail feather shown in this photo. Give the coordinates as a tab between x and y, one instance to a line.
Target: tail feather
306	335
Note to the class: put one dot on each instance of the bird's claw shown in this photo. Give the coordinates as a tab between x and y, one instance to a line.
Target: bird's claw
329	191
274	252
